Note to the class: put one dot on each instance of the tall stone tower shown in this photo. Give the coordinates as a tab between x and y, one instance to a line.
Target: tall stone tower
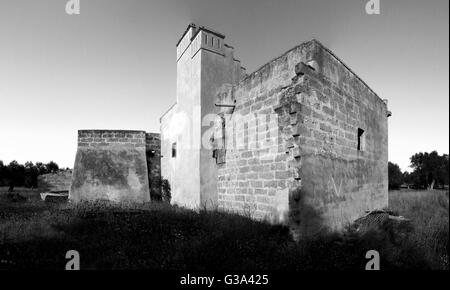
204	64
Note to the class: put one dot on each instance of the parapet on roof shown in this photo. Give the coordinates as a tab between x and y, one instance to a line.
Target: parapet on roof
197	29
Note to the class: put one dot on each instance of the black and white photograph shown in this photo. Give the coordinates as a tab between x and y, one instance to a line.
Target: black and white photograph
221	143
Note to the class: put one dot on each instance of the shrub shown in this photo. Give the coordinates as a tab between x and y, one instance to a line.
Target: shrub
395	176
166	190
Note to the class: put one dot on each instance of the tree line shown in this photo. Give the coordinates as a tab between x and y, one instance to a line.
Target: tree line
15	174
430	170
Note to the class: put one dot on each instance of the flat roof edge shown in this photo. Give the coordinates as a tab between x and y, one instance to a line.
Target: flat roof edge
167	111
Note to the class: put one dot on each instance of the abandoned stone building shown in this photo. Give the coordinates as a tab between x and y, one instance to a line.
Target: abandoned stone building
301	141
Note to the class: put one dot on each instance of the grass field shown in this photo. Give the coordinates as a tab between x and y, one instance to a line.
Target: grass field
37	235
429	213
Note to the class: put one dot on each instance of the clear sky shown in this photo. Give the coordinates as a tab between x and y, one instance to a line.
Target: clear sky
113	66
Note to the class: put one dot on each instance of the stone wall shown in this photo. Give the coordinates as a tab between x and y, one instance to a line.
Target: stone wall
153	155
53	182
110	165
255	181
104	138
309	173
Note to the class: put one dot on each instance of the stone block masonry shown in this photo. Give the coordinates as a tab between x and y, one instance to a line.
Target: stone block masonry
110	165
328	161
105	138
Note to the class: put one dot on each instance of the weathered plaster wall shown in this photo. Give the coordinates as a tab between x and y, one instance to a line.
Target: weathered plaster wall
181	125
58	181
168	165
314	177
204	63
110	165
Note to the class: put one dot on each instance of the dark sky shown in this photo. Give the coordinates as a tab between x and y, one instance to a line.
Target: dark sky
113	66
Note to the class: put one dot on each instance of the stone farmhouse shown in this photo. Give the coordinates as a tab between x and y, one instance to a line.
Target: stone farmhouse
301	141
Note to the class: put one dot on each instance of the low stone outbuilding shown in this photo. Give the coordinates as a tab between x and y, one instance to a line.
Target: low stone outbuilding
55	182
112	165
